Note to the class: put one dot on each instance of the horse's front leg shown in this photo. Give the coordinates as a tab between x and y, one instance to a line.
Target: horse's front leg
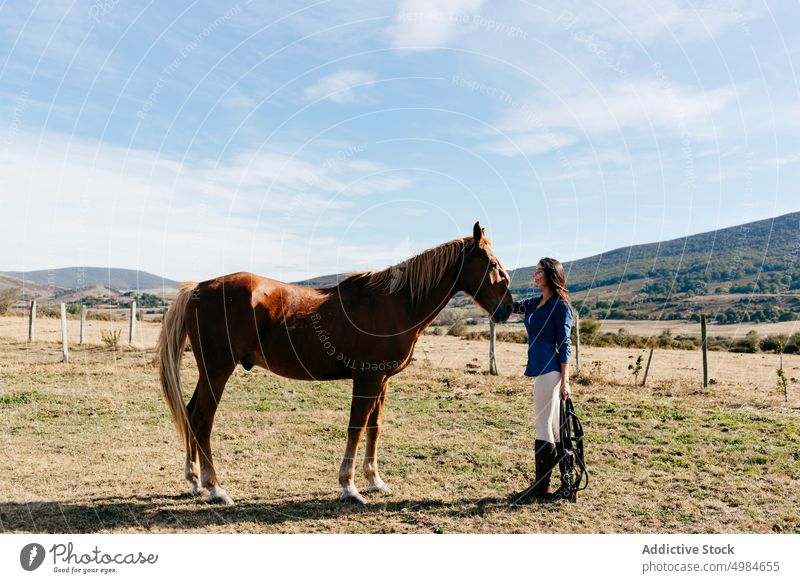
374	481
366	394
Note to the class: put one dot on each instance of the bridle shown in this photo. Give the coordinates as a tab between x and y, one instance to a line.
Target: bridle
574	476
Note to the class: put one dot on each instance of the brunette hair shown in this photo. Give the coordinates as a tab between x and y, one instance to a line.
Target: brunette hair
556	278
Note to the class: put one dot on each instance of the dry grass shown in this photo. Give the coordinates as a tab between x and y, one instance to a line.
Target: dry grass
49	329
648	328
89	447
688	328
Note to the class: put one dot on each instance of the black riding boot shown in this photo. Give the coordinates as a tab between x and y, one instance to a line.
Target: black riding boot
545	458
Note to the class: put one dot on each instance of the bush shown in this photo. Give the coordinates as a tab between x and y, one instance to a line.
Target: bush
48	311
748	344
7	298
106	315
792	344
773	343
458	329
110	337
512	336
589	329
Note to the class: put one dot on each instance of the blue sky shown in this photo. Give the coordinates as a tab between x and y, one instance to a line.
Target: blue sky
295	139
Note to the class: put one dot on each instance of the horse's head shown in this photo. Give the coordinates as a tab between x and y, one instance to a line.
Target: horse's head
484	278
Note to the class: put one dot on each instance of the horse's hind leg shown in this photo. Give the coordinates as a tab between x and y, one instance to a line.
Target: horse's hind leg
192	458
210	388
374	481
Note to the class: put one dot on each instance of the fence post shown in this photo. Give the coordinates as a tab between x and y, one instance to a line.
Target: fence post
64	342
32	322
647	368
132	331
83	323
578	341
705	349
492	340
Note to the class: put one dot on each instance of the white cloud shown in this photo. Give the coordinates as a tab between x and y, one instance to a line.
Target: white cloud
793	158
644	105
237	99
654	20
339	87
425	24
75	202
528	144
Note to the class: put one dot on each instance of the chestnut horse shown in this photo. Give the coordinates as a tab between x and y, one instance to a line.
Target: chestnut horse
364	329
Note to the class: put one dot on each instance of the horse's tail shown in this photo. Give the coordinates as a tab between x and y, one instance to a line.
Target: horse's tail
169	353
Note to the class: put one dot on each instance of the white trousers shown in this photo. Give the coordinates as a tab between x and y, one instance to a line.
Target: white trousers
546	396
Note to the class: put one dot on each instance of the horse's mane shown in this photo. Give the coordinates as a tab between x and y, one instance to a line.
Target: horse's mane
419	273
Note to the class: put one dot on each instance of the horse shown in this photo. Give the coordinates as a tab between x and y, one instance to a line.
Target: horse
364	329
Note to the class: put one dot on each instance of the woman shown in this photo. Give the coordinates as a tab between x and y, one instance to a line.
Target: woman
548	321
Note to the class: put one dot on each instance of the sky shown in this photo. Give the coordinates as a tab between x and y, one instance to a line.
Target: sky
296	139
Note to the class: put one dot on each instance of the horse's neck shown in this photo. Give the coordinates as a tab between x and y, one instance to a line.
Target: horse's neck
429	306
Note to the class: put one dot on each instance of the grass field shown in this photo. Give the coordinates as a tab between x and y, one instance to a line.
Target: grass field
88	446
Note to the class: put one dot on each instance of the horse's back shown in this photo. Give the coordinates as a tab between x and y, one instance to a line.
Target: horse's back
263	321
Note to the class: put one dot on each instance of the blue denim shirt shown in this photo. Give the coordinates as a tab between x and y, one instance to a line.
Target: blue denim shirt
548	331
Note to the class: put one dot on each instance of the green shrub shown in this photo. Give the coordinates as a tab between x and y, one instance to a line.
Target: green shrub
748	344
773	343
792	344
589	328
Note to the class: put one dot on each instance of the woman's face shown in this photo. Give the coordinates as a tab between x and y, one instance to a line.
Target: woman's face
539	280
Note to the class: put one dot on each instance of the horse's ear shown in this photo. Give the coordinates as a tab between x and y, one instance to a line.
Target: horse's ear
477	234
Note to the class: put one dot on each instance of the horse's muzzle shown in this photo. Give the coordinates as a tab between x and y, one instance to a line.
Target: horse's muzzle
502	312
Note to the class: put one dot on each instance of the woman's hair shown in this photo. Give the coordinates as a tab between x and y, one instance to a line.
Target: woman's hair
556	278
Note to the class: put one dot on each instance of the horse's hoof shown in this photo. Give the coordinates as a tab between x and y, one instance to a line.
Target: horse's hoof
217	495
378	486
197	490
352	497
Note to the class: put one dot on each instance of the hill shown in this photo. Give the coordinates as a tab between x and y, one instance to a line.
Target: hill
748	272
745	273
77	278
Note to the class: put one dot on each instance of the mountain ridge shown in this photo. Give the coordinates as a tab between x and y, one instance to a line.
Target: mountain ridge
77	278
746	272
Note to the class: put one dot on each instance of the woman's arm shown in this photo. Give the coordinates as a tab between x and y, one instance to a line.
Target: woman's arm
563	331
521	307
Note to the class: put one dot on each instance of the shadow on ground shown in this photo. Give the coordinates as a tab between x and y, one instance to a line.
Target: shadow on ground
178	513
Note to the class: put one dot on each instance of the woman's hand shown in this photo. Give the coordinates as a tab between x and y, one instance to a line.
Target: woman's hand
565	392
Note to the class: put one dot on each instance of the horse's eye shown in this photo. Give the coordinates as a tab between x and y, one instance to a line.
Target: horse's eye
492	265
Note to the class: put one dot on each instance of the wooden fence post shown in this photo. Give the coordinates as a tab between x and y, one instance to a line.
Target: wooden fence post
132	331
705	349
492	341
578	341
647	368
32	322
83	323
64	341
